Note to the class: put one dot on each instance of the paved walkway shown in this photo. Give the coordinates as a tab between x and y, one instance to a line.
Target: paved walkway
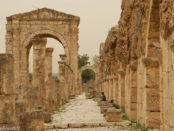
81	110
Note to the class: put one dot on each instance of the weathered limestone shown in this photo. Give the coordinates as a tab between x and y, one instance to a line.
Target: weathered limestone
29	104
39	46
7	95
113	115
22	28
49	84
33	121
139	55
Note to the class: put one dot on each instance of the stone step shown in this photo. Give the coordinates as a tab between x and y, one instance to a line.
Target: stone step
86	125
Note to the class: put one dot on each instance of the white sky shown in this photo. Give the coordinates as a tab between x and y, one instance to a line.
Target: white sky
96	18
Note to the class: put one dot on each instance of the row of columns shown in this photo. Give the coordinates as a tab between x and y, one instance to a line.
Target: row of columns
135	88
50	91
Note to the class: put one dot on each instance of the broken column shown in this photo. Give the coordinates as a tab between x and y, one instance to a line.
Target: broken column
39	45
7	95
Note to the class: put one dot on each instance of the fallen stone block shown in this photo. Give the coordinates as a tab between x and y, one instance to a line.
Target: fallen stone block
60	126
123	123
107	124
113	115
33	121
105	103
75	125
91	125
48	127
47	117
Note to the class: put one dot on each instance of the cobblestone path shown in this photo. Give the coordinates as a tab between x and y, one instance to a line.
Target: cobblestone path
81	110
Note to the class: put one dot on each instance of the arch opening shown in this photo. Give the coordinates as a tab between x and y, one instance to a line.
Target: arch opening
88	75
50	50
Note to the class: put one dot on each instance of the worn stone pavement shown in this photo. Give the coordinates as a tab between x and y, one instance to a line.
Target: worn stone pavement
81	110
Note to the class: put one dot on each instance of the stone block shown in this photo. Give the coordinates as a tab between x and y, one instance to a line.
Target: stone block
91	125
153	99
76	125
33	121
6	74
60	126
107	124
113	115
7	109
47	117
153	120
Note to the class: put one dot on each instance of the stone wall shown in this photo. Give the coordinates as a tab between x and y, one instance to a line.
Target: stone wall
136	63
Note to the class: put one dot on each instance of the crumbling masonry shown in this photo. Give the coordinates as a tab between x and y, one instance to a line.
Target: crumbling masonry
27	103
136	69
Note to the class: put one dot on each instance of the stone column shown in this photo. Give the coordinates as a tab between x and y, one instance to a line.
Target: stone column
7	95
62	80
39	46
133	91
48	62
152	91
122	87
49	87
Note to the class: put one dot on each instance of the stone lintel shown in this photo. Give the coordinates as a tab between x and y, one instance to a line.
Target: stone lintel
39	40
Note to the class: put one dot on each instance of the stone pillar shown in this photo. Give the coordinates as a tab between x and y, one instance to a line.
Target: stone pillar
48	62
62	80
39	46
7	95
133	91
121	79
152	84
127	91
49	87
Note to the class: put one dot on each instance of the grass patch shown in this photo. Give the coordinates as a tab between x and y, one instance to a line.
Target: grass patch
141	127
125	117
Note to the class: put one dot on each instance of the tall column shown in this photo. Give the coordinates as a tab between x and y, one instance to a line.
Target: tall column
62	80
49	87
133	91
39	46
48	62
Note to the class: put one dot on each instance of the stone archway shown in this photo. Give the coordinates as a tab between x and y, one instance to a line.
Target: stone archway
22	28
93	68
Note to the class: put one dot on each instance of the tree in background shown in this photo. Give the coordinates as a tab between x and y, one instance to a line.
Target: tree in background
83	60
96	60
87	75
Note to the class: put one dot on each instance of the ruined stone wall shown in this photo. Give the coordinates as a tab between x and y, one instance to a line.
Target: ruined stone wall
138	54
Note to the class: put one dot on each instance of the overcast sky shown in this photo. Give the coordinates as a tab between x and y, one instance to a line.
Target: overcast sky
96	18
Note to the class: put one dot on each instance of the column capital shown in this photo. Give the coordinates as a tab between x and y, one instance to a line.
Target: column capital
61	62
49	51
63	57
39	43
